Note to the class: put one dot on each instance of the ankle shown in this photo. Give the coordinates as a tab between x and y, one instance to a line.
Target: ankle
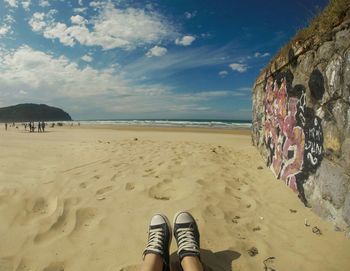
152	262
192	263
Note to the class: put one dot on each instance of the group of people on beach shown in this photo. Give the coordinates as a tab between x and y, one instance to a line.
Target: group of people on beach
31	126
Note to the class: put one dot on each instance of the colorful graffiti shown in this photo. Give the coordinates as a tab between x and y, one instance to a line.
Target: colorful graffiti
293	134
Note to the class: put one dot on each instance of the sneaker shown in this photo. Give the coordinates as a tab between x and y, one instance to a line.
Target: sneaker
159	239
187	235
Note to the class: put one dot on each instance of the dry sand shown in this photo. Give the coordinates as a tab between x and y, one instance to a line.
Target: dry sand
82	198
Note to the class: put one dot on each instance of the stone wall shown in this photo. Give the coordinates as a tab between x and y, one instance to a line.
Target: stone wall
301	122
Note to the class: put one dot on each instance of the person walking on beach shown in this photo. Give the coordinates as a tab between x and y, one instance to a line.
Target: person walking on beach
43	126
156	254
39	126
31	127
6	126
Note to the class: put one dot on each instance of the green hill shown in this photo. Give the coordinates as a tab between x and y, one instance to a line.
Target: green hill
32	112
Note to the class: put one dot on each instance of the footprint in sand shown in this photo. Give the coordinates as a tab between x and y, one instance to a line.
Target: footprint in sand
149	172
104	190
60	223
114	177
55	266
162	190
85	217
129	186
201	182
43	206
83	185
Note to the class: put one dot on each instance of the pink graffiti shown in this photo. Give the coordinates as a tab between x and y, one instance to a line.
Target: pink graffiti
286	139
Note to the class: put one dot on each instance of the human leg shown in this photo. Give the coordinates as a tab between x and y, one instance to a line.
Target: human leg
156	253
152	262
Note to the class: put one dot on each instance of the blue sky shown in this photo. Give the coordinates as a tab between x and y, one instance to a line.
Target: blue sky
143	59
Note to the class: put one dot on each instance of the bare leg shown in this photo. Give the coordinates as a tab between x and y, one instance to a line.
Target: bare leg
191	263
152	262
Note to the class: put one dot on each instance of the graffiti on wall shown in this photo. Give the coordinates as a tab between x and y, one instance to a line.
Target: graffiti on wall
293	134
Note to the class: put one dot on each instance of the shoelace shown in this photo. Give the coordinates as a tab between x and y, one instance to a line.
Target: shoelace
186	240
155	240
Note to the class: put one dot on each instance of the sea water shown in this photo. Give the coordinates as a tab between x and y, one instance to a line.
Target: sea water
193	123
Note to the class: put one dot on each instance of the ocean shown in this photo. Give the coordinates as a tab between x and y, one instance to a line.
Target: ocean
193	123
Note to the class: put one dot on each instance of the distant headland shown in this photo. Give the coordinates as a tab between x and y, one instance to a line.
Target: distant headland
32	112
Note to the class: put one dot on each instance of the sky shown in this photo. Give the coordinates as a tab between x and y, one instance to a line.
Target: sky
154	59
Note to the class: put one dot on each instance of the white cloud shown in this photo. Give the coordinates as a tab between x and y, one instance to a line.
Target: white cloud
190	15
223	73
185	40
112	28
11	3
26	4
44	3
8	19
61	32
79	10
258	54
30	75
156	51
80	2
96	4
77	19
37	21
4	29
239	67
87	58
35	71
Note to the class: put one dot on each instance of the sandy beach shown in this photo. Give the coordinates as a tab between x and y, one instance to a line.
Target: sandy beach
81	199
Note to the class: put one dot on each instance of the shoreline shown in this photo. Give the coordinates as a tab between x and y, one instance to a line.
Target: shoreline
235	131
142	128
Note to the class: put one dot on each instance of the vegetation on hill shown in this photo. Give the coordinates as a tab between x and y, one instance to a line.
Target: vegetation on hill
334	14
319	29
32	112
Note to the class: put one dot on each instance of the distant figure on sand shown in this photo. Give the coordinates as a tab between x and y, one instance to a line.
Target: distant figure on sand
39	126
156	254
43	126
31	127
6	126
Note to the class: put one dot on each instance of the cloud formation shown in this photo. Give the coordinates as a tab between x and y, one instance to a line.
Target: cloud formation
258	54
239	67
87	58
156	51
26	4
11	3
223	73
112	28
4	29
185	40
31	75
